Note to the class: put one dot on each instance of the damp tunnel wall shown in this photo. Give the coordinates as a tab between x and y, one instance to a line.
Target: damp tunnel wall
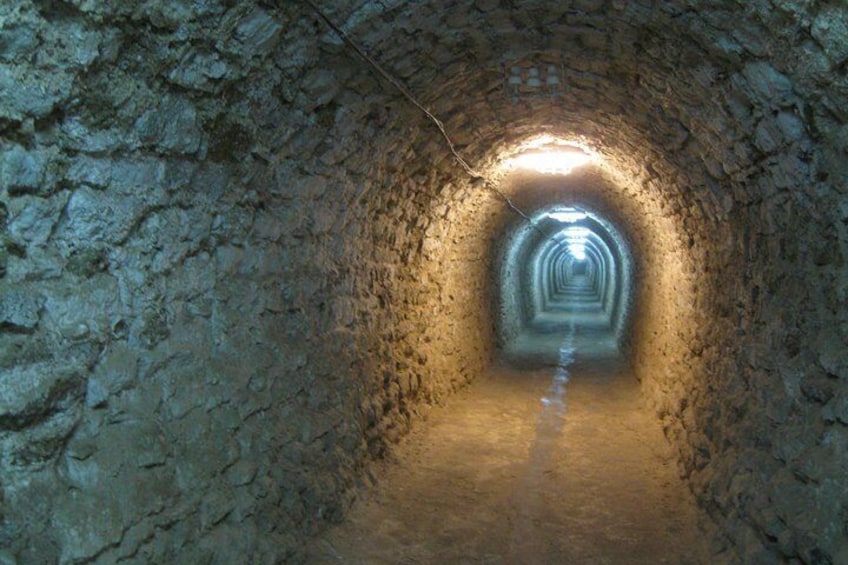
236	264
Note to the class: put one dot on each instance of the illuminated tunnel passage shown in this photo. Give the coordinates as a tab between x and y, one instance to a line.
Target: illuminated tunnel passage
571	271
549	457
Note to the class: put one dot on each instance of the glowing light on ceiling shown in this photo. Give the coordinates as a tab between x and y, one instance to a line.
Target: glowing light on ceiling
577	250
568	215
576	238
552	162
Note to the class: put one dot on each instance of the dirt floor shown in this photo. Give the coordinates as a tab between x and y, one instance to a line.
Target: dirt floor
551	458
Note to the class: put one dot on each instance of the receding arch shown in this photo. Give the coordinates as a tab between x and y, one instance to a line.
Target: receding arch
540	259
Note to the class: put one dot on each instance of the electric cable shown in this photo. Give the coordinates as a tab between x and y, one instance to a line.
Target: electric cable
477	176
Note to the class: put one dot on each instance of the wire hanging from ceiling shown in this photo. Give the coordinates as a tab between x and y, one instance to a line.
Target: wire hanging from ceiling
362	54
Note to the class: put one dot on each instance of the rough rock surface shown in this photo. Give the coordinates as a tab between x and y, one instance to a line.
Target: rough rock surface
235	264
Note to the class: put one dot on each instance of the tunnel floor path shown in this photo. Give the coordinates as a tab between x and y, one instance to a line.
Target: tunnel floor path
504	475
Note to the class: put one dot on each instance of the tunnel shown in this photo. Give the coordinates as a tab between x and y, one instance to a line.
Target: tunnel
564	266
248	249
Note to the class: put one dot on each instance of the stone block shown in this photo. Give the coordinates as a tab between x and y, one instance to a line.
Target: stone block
30	394
172	126
33	219
486	5
83	45
38	263
769	84
91	172
791	126
199	70
31	93
258	32
98	217
830	28
82	138
241	473
22	171
86	522
18	41
87	312
817	387
20	311
116	372
837	409
832	353
767	136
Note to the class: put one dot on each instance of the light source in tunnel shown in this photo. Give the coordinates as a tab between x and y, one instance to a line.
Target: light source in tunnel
548	154
576	238
557	162
568	215
577	250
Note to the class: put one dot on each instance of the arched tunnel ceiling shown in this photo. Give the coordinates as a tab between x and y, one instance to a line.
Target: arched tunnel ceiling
678	86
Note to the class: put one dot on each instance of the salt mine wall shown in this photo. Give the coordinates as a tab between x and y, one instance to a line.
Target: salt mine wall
237	265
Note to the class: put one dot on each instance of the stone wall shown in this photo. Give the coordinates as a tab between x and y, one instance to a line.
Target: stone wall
235	264
230	276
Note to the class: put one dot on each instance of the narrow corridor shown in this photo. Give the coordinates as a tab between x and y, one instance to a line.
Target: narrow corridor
512	472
